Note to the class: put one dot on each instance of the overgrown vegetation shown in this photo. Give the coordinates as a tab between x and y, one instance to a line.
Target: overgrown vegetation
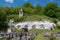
50	11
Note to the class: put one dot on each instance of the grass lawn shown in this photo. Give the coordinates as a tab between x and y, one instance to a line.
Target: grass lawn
35	17
38	37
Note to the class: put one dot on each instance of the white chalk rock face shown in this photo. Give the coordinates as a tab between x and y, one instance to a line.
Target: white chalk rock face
45	24
35	25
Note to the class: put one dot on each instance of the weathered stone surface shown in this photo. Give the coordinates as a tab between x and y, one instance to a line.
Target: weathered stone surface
16	38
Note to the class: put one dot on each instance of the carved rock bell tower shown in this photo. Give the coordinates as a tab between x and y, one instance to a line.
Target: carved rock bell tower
21	13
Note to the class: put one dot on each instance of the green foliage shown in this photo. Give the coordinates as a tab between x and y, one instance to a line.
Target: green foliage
37	9
50	9
2	15
27	11
58	26
51	13
57	13
3	25
55	21
17	19
39	37
51	5
15	10
28	5
52	37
